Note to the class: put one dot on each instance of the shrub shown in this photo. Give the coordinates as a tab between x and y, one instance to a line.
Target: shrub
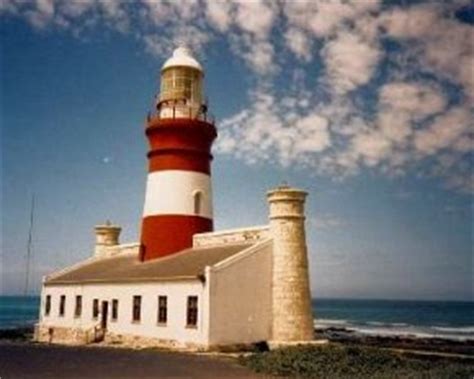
337	361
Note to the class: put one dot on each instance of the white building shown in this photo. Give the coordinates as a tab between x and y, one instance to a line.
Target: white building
183	285
233	287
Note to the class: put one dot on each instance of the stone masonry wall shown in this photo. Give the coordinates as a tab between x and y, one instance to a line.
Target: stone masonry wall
292	316
62	335
77	336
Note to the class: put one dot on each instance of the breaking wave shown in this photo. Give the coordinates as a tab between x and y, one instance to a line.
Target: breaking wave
384	329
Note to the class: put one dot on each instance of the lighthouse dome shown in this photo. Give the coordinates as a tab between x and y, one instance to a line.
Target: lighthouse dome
182	56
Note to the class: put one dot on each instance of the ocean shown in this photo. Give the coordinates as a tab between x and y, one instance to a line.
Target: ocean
18	311
451	320
441	319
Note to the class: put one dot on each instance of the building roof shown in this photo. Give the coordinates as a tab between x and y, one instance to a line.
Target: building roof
187	264
182	56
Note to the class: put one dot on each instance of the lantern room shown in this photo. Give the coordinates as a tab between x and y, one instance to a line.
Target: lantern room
181	92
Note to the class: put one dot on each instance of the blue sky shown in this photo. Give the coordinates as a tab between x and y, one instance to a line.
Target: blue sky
365	105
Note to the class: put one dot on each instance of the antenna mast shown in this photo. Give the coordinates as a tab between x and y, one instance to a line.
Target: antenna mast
29	245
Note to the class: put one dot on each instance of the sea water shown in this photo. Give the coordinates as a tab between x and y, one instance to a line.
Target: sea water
16	311
425	319
442	319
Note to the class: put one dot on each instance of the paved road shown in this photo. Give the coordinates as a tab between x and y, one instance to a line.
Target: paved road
24	361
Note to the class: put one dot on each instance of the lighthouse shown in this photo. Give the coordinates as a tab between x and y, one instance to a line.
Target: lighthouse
178	198
184	285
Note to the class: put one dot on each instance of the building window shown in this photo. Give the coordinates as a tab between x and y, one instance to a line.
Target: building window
78	308
114	309
197	202
62	305
162	309
47	306
192	311
95	309
137	305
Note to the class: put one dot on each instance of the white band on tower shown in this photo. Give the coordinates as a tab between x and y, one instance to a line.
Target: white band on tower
178	192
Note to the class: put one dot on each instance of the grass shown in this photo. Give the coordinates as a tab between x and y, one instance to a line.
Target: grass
338	361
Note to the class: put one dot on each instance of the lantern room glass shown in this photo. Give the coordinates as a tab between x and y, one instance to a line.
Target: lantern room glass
182	84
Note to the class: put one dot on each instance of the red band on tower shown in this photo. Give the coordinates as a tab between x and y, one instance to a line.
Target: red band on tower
180	144
164	235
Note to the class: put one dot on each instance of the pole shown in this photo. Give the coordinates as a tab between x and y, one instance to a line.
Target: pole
29	245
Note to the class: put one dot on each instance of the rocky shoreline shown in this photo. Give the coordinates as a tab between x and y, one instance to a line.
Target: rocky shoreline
405	342
18	334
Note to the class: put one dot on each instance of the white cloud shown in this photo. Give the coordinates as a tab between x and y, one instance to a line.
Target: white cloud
323	18
444	131
410	22
156	12
394	126
372	147
41	14
45	6
260	56
450	52
219	14
350	62
401	104
155	46
256	16
9	7
299	43
115	13
75	8
416	99
311	134
437	41
263	132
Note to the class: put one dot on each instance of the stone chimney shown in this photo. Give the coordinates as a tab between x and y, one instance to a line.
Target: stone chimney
292	315
106	238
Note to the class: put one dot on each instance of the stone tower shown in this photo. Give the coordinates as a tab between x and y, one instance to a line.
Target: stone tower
106	237
292	315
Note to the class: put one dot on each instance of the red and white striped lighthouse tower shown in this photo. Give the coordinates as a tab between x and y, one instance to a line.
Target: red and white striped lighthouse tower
178	200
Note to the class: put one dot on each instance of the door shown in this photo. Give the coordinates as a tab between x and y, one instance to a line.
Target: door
104	315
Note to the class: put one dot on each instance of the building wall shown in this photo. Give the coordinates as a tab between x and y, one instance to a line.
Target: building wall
174	331
240	297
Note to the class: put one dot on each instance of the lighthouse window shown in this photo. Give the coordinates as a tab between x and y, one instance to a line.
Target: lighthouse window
197	202
62	305
192	312
114	309
162	309
47	306
137	305
95	309
78	307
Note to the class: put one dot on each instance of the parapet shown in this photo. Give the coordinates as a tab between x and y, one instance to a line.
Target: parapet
286	203
231	236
